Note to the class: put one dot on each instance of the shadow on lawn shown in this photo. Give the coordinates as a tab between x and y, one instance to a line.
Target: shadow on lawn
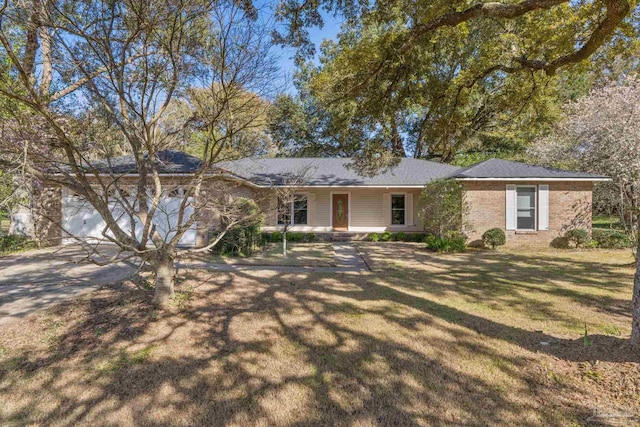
505	279
306	349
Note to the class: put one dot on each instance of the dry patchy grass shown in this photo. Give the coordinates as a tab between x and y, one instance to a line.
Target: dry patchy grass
429	340
319	254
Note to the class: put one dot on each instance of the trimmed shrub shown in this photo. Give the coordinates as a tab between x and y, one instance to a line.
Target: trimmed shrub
577	237
15	243
400	237
415	237
452	242
493	238
386	236
276	237
295	237
373	237
560	242
612	239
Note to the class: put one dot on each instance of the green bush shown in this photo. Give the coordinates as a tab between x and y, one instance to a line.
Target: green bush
386	236
612	239
452	242
295	237
373	237
15	243
443	207
240	241
415	237
311	237
400	237
560	242
245	237
493	238
577	237
276	237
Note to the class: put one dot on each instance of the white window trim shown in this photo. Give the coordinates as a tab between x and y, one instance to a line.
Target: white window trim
391	224
348	193
535	213
291	211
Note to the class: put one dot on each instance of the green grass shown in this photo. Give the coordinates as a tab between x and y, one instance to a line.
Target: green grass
607	222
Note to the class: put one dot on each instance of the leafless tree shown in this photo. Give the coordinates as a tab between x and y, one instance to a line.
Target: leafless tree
289	200
126	64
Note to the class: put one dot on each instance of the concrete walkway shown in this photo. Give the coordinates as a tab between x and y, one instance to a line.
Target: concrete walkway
37	279
348	260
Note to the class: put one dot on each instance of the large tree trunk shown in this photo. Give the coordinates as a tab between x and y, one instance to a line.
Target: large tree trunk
165	279
635	307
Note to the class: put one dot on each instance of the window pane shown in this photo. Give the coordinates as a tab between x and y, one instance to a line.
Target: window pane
300	210
284	219
397	217
526	197
397	209
300	217
284	212
397	201
300	202
526	219
526	201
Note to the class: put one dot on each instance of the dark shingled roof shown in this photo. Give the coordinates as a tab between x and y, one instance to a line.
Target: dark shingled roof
334	172
169	162
497	168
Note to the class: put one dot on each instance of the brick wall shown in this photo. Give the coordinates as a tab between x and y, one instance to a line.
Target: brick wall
47	212
569	207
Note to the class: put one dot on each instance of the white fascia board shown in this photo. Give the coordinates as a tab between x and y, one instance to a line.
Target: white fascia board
534	179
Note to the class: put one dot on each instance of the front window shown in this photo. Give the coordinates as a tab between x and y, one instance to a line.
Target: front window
397	209
284	212
526	202
300	210
293	213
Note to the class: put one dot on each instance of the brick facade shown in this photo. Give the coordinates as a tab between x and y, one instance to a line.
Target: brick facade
569	207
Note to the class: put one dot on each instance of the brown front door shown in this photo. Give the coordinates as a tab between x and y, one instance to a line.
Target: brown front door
340	213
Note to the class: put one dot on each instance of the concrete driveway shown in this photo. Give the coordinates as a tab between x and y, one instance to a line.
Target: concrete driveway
37	279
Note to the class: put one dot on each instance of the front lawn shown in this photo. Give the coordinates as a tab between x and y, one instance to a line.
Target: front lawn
479	338
607	222
319	254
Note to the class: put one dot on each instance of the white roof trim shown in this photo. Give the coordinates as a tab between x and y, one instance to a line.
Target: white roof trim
533	179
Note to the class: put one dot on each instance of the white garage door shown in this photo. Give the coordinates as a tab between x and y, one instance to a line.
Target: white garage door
81	220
